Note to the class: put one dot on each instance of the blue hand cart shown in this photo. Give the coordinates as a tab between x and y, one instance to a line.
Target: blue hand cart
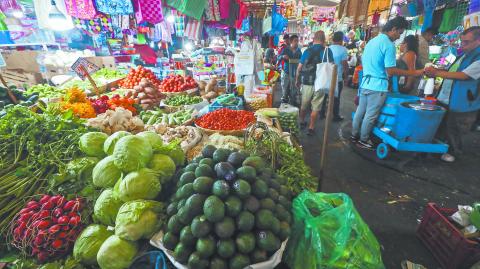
405	124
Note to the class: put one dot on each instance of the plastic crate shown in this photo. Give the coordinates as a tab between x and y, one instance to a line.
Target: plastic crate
446	242
215	105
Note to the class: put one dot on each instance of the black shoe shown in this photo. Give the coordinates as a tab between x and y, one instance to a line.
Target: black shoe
354	139
338	118
322	116
366	145
310	132
303	125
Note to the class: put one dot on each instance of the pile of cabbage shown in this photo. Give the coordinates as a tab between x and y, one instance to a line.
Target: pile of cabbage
131	173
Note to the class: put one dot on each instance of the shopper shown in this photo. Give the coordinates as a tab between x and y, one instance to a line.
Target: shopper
291	57
408	61
307	71
424	44
379	62
460	92
352	43
340	57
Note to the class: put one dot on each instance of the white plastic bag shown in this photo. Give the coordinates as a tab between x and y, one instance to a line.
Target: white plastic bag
324	74
244	60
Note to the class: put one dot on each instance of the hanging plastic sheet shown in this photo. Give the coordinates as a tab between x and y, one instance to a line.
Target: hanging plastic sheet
279	23
191	8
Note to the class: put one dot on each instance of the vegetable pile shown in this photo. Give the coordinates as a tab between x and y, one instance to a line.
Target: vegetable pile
45	91
188	136
135	76
76	100
230	211
177	83
153	117
119	119
145	94
22	98
180	100
46	228
226	119
104	103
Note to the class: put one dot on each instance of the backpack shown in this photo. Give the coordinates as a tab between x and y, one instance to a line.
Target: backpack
310	67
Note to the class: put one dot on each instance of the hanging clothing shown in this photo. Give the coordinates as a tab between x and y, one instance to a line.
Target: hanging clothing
378	5
191	8
166	31
115	7
224	8
429	6
375	19
212	11
148	11
242	14
193	30
42	9
81	9
179	24
95	26
233	11
8	6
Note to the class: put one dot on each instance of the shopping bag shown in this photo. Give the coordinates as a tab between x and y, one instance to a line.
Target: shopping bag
328	227
267	23
324	73
244	62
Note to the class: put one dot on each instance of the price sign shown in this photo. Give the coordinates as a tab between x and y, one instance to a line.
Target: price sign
84	68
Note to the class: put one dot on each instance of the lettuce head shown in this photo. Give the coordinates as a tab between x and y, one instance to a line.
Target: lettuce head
105	174
106	207
153	138
89	242
132	153
138	219
109	144
116	253
163	164
92	144
141	184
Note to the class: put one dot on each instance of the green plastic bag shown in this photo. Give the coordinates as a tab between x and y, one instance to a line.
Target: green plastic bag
328	227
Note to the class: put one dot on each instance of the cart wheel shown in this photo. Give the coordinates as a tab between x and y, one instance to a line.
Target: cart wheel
382	150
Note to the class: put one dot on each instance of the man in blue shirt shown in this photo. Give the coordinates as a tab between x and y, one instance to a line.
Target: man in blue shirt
379	61
291	56
307	71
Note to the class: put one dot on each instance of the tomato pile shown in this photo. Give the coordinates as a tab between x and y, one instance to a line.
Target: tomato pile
177	83
103	103
226	119
135	76
47	228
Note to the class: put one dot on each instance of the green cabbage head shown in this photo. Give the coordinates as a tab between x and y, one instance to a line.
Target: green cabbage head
116	253
106	207
153	138
163	164
174	151
138	219
141	184
109	144
105	174
132	153
92	144
88	243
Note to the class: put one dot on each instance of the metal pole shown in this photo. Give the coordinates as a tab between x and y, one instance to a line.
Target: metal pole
331	99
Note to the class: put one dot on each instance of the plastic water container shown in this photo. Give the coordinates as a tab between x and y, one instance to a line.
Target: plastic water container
417	122
389	109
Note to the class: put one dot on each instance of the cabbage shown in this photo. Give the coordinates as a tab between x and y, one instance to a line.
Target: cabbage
174	151
163	164
106	207
138	219
141	184
109	144
116	253
153	138
92	144
105	173
88	243
132	153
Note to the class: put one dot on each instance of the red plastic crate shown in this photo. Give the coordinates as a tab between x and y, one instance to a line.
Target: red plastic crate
446	242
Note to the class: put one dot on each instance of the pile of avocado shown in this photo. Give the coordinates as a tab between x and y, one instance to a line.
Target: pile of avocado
230	211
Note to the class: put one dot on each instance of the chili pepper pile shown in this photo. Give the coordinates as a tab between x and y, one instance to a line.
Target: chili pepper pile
226	119
48	227
135	76
178	84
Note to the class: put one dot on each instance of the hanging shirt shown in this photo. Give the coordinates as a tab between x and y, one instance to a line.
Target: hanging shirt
224	8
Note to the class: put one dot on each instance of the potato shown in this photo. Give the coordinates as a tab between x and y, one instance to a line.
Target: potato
211	95
146	101
201	85
150	90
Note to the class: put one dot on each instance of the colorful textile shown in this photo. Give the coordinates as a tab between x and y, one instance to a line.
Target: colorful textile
148	11
378	5
166	31
429	6
212	11
224	8
234	8
81	9
193	29
42	9
242	14
94	26
115	7
179	25
191	8
474	6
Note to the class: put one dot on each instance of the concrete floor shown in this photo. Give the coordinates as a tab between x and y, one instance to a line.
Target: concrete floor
373	185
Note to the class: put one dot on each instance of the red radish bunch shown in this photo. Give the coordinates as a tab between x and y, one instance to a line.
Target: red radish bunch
48	227
100	104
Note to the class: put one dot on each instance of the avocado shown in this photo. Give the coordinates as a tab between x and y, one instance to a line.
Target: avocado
267	172
225	228
204	170
242	188
260	189
197	159
267	241
258	256
214	209
172	209
200	226
184	216
203	185
272	193
195	203
256	162
225	171
285	202
239	261
186	236
187	177
267	203
208	151
275	226
233	206
282	180
284	191
263	219
280	212
191	167
180	204
220	155
247	172
181	253
185	191
236	158
170	240
218	263
207	161
205	246
284	230
221	189
174	225
226	248
272	183
245	242
195	261
251	204
245	221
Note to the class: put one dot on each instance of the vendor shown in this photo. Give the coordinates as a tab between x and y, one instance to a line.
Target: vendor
460	92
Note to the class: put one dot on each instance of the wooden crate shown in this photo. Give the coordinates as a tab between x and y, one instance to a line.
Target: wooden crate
20	78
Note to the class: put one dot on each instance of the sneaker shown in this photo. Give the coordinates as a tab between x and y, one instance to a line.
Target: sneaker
366	145
448	158
303	125
354	139
338	118
311	132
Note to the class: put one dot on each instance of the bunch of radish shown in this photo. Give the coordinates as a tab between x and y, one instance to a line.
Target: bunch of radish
146	94
48	227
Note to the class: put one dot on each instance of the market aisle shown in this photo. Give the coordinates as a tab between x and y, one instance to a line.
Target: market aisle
375	186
